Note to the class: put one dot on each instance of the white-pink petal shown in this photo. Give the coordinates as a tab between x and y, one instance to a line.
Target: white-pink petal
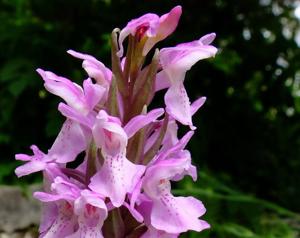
117	177
138	122
94	68
167	24
108	134
72	93
93	93
178	104
197	104
155	28
183	214
70	142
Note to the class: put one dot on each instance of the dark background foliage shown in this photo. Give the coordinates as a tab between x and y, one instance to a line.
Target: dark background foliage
248	137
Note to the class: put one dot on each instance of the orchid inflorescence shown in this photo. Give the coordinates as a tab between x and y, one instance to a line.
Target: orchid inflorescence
123	186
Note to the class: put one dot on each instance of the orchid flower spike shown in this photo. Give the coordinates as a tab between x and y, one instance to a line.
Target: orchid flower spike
109	171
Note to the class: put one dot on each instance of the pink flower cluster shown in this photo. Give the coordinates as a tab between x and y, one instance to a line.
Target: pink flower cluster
123	186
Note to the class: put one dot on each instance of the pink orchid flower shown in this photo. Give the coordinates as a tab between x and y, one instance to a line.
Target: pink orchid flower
176	61
62	150
183	212
118	175
82	100
112	139
58	219
91	212
78	212
151	27
94	68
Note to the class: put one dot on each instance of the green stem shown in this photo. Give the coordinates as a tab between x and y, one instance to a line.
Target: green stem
91	168
117	222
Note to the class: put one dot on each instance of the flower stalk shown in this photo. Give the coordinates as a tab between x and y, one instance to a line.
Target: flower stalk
91	167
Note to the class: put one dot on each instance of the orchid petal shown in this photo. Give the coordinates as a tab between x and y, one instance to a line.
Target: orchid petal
197	104
61	189
182	213
94	68
164	171
71	113
64	88
36	162
61	227
170	138
178	104
208	38
167	24
87	232
148	20
117	177
176	61
138	122
69	143
48	216
108	134
162	81
91	211
30	167
191	170
177	147
83	100
155	28
93	93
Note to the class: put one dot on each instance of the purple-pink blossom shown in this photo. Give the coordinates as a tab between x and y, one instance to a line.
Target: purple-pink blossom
150	28
122	187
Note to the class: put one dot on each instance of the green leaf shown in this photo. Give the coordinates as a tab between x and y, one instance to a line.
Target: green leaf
237	230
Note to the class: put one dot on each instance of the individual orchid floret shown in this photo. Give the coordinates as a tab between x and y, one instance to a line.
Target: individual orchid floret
94	68
175	62
60	216
145	205
183	212
91	211
69	143
118	176
83	100
79	212
150	28
61	221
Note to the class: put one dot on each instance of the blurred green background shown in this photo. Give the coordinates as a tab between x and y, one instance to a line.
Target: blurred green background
247	146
